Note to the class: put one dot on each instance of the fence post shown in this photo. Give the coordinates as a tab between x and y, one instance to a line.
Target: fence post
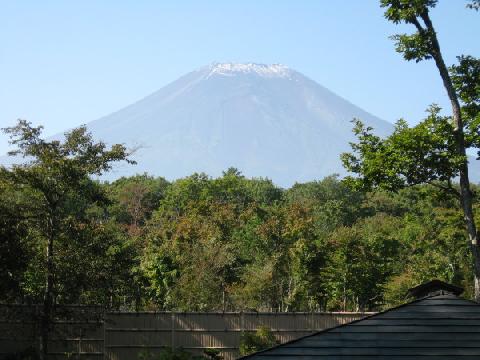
242	322
312	321
173	330
242	328
104	333
37	328
79	348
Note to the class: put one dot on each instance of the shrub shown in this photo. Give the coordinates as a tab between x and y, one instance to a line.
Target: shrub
262	339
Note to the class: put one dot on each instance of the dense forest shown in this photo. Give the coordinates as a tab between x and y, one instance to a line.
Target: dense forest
215	244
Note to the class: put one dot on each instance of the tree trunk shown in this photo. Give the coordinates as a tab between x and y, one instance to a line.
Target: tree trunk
45	318
476	258
465	192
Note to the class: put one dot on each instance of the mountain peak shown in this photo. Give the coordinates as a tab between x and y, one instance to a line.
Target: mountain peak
266	120
264	70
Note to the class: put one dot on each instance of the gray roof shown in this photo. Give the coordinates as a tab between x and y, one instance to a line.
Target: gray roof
435	327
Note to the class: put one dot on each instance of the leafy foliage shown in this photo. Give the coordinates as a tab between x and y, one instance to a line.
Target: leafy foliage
434	151
466	80
262	339
424	153
233	243
55	196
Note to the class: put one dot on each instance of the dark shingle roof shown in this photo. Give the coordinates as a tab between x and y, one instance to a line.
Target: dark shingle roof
435	327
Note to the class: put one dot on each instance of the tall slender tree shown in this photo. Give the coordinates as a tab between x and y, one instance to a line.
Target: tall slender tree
438	145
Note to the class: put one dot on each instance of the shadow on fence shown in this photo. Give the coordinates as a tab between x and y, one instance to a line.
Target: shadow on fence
85	332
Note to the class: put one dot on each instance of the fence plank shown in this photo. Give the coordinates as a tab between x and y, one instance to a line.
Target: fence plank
195	332
124	335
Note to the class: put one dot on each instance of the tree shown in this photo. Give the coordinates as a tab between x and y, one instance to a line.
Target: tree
262	339
134	199
57	175
362	259
434	151
15	250
474	4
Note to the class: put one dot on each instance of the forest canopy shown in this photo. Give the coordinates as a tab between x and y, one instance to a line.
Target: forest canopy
232	243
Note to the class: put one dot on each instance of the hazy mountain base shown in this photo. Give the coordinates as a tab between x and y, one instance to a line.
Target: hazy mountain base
267	120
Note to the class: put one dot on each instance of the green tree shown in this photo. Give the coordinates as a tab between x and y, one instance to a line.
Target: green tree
15	249
201	239
134	199
434	151
362	260
57	176
261	339
432	242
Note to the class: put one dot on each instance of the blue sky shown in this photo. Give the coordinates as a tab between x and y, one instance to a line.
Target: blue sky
65	63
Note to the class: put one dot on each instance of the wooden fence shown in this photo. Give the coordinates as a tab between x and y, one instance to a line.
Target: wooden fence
125	335
78	332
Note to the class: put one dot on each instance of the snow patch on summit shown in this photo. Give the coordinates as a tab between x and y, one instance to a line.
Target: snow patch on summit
268	71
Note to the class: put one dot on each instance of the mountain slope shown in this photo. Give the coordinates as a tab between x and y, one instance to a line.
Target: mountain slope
266	120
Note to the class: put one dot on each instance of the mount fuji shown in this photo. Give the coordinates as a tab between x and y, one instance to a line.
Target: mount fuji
266	120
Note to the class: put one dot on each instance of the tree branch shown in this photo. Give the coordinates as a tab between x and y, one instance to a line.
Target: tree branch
417	24
448	189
